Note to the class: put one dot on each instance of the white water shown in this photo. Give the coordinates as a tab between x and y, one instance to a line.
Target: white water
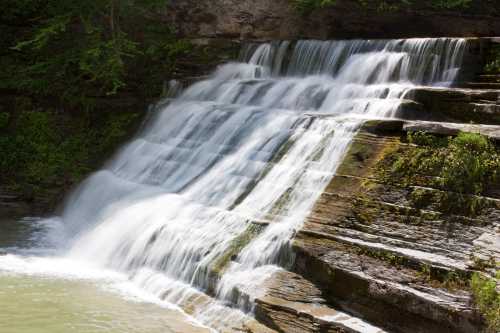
240	154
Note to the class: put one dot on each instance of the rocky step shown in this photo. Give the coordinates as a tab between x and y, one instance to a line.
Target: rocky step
491	78
457	104
395	297
377	252
451	129
415	235
482	85
432	127
294	304
392	249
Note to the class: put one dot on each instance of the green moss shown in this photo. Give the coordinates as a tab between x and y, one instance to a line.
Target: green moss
449	202
434	276
356	158
487	299
386	256
236	246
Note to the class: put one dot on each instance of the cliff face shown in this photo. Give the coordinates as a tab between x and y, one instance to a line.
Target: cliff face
277	19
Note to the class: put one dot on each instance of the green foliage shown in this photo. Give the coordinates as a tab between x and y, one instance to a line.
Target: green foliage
4	119
72	55
493	63
464	167
465	164
471	163
45	150
487	299
450	4
78	50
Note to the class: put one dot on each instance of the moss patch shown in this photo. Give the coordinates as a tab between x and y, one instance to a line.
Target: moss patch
237	245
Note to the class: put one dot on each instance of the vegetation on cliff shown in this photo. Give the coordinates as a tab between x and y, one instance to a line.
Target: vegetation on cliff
51	147
464	167
78	50
305	6
493	61
487	299
73	77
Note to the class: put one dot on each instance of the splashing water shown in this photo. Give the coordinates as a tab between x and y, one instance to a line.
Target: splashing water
205	200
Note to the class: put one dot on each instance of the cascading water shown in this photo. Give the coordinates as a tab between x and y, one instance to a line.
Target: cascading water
208	196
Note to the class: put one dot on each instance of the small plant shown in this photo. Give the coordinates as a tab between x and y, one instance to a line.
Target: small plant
487	299
493	63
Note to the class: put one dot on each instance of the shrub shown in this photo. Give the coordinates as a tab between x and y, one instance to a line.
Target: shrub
466	164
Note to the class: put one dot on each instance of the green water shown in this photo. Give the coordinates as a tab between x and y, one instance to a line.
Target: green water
40	303
47	305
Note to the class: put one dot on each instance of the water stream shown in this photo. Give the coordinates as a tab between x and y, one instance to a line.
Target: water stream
198	210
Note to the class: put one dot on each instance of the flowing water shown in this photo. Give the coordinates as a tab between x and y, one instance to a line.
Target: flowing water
199	209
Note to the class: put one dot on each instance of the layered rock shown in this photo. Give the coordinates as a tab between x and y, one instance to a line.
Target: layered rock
455	104
369	251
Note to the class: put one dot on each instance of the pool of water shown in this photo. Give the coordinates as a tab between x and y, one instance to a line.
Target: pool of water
39	294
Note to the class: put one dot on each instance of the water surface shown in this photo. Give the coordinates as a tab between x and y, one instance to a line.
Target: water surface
52	296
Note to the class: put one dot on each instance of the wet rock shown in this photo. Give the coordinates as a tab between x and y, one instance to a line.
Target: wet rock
277	19
459	105
294	304
372	253
13	205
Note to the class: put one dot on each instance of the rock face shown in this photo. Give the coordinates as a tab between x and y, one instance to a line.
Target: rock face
276	19
12	206
459	105
368	251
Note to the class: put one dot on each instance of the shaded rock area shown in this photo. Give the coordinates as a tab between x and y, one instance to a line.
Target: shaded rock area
368	251
12	205
277	19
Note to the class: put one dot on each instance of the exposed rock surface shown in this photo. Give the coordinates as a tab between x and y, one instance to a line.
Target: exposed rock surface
368	251
276	19
456	104
294	304
12	206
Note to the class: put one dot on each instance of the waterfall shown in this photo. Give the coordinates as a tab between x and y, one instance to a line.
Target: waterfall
200	207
